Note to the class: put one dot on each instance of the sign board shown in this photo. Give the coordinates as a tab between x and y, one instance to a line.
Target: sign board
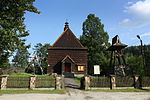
96	69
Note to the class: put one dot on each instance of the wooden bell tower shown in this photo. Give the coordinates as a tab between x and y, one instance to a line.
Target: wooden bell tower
118	64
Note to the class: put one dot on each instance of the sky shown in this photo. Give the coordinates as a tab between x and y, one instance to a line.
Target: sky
126	18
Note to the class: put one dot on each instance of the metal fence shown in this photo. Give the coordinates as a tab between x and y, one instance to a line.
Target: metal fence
96	81
45	82
124	82
18	82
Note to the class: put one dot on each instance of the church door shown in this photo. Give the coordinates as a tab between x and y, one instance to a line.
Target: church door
67	67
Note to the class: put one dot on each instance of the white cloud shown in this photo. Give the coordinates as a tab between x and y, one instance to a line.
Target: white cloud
127	22
130	23
140	9
129	3
145	34
140	12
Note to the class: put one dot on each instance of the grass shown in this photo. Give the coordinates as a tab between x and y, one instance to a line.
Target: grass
31	91
27	74
21	80
119	90
20	74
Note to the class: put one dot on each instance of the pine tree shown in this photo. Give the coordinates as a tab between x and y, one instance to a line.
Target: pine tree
12	27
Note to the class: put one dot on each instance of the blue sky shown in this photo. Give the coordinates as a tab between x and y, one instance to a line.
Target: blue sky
125	18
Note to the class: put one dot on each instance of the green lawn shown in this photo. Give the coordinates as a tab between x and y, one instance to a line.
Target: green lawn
119	90
20	74
31	91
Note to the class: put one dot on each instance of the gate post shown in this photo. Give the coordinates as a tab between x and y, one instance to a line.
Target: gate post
137	82
32	82
58	82
112	82
4	81
87	82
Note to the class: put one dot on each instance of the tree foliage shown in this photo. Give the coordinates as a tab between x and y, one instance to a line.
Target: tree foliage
12	27
41	51
135	59
96	40
21	59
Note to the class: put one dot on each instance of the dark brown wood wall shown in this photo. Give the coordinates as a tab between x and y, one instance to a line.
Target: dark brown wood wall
55	56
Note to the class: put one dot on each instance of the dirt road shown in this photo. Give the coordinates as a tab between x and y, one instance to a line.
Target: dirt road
74	94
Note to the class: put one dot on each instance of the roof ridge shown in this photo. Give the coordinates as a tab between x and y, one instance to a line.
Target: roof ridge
75	39
59	37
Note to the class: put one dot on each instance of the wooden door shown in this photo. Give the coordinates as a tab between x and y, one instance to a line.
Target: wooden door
67	67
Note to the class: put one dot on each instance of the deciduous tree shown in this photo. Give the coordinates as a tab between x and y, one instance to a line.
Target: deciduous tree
41	51
96	40
21	59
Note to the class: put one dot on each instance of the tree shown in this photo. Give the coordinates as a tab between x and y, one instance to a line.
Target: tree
12	27
41	52
21	59
134	59
135	64
96	40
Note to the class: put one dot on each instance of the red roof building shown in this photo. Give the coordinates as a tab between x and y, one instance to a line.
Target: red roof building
67	54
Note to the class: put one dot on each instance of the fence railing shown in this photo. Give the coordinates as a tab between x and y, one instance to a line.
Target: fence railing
114	82
145	81
31	82
124	82
45	82
100	82
18	82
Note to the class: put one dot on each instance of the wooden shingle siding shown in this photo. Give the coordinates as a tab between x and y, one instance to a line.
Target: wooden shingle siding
66	45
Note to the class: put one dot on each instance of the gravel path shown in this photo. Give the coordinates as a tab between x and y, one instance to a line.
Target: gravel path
71	83
74	94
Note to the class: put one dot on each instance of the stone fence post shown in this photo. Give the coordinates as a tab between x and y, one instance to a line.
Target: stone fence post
32	82
112	82
58	82
87	82
4	81
137	82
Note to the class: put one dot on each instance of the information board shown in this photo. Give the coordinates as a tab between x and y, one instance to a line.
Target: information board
96	69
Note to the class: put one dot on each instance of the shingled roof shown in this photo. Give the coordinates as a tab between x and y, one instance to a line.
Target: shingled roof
67	40
116	44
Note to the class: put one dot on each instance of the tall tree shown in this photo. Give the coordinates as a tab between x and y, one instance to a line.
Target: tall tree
21	58
135	59
95	39
12	27
41	51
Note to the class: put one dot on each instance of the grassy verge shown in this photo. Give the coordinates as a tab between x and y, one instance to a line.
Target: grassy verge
120	90
31	91
20	74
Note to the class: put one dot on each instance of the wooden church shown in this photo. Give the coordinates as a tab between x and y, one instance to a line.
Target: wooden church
67	54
